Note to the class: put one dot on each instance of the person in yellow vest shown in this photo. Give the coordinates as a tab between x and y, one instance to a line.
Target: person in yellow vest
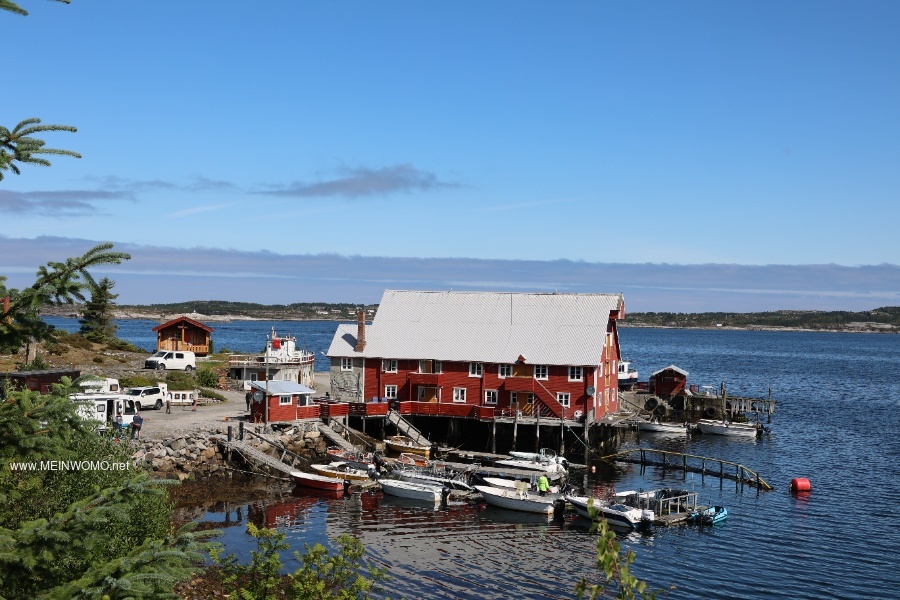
543	484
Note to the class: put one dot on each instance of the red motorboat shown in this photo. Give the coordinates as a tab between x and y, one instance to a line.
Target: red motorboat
316	481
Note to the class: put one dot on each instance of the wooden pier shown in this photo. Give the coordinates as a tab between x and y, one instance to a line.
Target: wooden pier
689	463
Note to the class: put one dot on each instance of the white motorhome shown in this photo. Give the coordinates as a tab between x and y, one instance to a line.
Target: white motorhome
99	385
102	408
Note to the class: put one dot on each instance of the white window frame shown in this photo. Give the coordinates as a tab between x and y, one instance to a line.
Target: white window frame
544	372
388	365
459	394
476	369
390	392
564	398
346	364
504	371
490	396
576	373
285	400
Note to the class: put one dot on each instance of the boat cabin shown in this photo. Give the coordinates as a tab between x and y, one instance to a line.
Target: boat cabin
281	401
282	360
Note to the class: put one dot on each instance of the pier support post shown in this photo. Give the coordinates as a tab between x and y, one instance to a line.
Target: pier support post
562	436
241	430
515	428
494	436
229	433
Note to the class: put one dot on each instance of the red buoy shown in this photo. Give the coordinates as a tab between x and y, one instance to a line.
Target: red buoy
800	484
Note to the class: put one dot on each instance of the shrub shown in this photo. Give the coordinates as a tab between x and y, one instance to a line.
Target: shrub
207	378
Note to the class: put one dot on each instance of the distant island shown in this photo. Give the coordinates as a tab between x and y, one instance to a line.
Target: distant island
879	320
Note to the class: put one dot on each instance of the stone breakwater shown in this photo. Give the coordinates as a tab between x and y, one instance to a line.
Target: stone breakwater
199	455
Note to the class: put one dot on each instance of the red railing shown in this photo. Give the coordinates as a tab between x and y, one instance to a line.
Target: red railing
368	409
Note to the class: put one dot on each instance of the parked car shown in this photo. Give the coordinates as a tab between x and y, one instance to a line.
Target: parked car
167	359
150	396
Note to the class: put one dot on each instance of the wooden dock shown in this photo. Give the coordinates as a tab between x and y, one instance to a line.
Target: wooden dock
691	463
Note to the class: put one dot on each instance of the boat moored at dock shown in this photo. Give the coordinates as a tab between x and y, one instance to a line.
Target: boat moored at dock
517	499
730	428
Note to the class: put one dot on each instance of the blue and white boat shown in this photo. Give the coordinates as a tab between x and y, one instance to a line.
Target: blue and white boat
709	516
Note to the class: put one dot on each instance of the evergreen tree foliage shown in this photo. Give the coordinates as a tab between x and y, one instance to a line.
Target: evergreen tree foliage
57	283
13	7
97	322
20	146
101	533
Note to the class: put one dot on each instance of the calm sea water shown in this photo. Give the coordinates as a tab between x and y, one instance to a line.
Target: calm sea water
837	424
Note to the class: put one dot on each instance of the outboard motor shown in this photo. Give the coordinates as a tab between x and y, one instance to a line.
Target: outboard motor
346	487
559	508
445	495
564	463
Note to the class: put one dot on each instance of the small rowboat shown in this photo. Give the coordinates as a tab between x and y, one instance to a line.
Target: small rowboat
357	460
412	460
339	470
316	481
403	444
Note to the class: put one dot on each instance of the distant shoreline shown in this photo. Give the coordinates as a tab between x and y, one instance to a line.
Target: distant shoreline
161	317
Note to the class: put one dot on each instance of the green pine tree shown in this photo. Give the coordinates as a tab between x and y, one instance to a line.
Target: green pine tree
97	322
57	283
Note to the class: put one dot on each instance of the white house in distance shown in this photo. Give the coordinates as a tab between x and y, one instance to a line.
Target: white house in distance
555	355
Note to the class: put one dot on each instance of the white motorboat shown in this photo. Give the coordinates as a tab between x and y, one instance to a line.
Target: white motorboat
545	455
412	475
410	489
616	514
517	499
716	427
654	426
499	482
551	465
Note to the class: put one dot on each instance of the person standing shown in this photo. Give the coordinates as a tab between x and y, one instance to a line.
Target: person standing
136	423
169	405
118	424
247	397
543	484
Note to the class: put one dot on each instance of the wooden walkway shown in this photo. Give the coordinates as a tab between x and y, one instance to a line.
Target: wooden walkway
335	438
692	463
260	460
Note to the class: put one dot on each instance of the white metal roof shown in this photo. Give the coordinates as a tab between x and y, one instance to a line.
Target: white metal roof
279	387
674	368
553	329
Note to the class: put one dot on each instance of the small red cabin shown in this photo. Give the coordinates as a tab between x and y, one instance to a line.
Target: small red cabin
38	381
280	401
668	382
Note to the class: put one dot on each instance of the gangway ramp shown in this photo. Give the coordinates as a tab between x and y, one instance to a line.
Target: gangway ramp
407	429
259	460
336	438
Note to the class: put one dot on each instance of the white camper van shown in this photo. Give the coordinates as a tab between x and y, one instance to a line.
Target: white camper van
102	408
99	385
168	359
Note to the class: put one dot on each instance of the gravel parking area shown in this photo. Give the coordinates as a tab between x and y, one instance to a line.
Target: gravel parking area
208	418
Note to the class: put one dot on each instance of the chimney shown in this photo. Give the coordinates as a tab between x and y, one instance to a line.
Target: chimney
360	331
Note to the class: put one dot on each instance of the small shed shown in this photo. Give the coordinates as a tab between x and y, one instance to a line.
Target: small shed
280	401
184	333
38	381
670	381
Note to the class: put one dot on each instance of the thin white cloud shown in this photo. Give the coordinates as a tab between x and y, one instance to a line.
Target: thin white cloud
202	209
364	181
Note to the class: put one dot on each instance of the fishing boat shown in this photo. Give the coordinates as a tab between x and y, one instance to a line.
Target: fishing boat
404	445
410	489
708	516
617	514
316	481
454	482
517	499
628	377
730	428
411	460
354	458
340	470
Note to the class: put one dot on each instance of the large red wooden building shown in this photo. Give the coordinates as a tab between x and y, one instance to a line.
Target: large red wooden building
540	355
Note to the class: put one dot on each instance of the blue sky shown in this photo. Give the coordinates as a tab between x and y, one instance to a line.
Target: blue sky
692	155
